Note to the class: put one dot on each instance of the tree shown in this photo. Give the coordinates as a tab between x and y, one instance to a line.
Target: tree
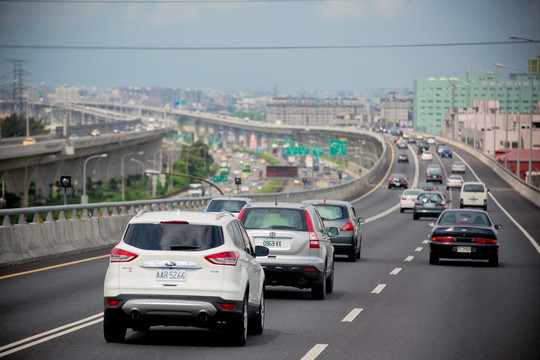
15	125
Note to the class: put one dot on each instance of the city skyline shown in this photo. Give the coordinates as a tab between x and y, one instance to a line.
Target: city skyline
262	46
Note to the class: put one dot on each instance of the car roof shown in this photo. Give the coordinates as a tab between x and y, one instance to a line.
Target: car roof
473	183
235	198
329	202
278	204
192	217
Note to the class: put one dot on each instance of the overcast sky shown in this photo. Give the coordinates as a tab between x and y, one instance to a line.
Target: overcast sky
379	33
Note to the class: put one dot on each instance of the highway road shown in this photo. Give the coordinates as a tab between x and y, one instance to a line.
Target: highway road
390	305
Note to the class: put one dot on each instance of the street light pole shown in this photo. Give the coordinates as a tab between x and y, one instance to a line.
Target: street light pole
123	172
531	79
84	197
157	172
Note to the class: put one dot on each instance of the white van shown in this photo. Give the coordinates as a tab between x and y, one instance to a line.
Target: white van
473	194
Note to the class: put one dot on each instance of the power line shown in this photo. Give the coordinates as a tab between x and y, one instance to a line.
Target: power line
164	1
227	48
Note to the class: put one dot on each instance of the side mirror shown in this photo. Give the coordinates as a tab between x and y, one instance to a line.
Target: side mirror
430	224
333	231
498	227
261	251
361	220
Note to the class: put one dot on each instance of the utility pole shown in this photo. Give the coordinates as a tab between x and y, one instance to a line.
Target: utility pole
18	85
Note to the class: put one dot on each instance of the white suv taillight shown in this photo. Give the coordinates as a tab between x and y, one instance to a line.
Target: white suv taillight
225	258
313	238
119	255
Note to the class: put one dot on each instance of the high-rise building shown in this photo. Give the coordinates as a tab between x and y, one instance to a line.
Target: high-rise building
435	97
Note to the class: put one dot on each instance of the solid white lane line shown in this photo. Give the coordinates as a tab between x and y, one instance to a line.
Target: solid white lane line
378	289
418	249
395	271
527	235
49	337
352	315
409	258
314	352
49	332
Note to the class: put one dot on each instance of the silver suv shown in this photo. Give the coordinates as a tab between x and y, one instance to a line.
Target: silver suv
183	268
342	215
301	253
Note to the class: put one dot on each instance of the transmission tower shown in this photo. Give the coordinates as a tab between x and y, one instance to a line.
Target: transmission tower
18	84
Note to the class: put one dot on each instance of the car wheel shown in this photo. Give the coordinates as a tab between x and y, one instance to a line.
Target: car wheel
239	328
461	205
485	207
415	217
114	328
494	260
359	251
433	259
401	210
256	325
330	283
352	255
318	291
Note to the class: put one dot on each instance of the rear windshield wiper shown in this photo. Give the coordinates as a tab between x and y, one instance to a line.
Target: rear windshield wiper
184	247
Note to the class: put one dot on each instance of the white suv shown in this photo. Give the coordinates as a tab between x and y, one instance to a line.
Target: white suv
184	268
473	194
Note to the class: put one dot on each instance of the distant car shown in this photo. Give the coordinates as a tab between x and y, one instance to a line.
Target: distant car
458	166
426	155
403	158
398	180
411	140
402	145
426	186
473	194
407	198
423	145
446	153
464	234
434	175
435	167
95	132
342	215
431	141
227	203
429	204
116	131
297	182
301	252
184	268
440	148
454	182
29	141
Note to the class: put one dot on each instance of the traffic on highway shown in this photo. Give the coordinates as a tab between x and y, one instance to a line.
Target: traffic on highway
414	293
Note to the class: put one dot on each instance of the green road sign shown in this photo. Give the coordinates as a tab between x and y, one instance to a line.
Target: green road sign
220	178
317	150
292	150
338	147
302	150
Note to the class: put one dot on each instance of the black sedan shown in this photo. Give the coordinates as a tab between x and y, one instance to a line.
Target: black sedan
398	180
429	204
464	234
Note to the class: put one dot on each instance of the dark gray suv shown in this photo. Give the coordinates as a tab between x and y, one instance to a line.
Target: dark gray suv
342	215
301	253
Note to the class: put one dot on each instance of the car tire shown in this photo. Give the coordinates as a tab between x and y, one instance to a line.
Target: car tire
494	260
256	324
318	291
114	328
352	255
239	327
415	217
330	283
401	210
485	207
433	259
359	252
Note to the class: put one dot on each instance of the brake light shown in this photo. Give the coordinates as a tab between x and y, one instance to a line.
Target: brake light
241	215
228	306
225	258
348	226
175	222
403	180
113	302
485	241
442	239
313	238
119	255
416	204
391	180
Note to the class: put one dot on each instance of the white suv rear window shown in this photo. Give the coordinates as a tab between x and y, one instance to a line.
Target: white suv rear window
174	236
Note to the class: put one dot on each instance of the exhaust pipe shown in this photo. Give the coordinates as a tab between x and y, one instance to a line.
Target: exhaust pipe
135	314
203	316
